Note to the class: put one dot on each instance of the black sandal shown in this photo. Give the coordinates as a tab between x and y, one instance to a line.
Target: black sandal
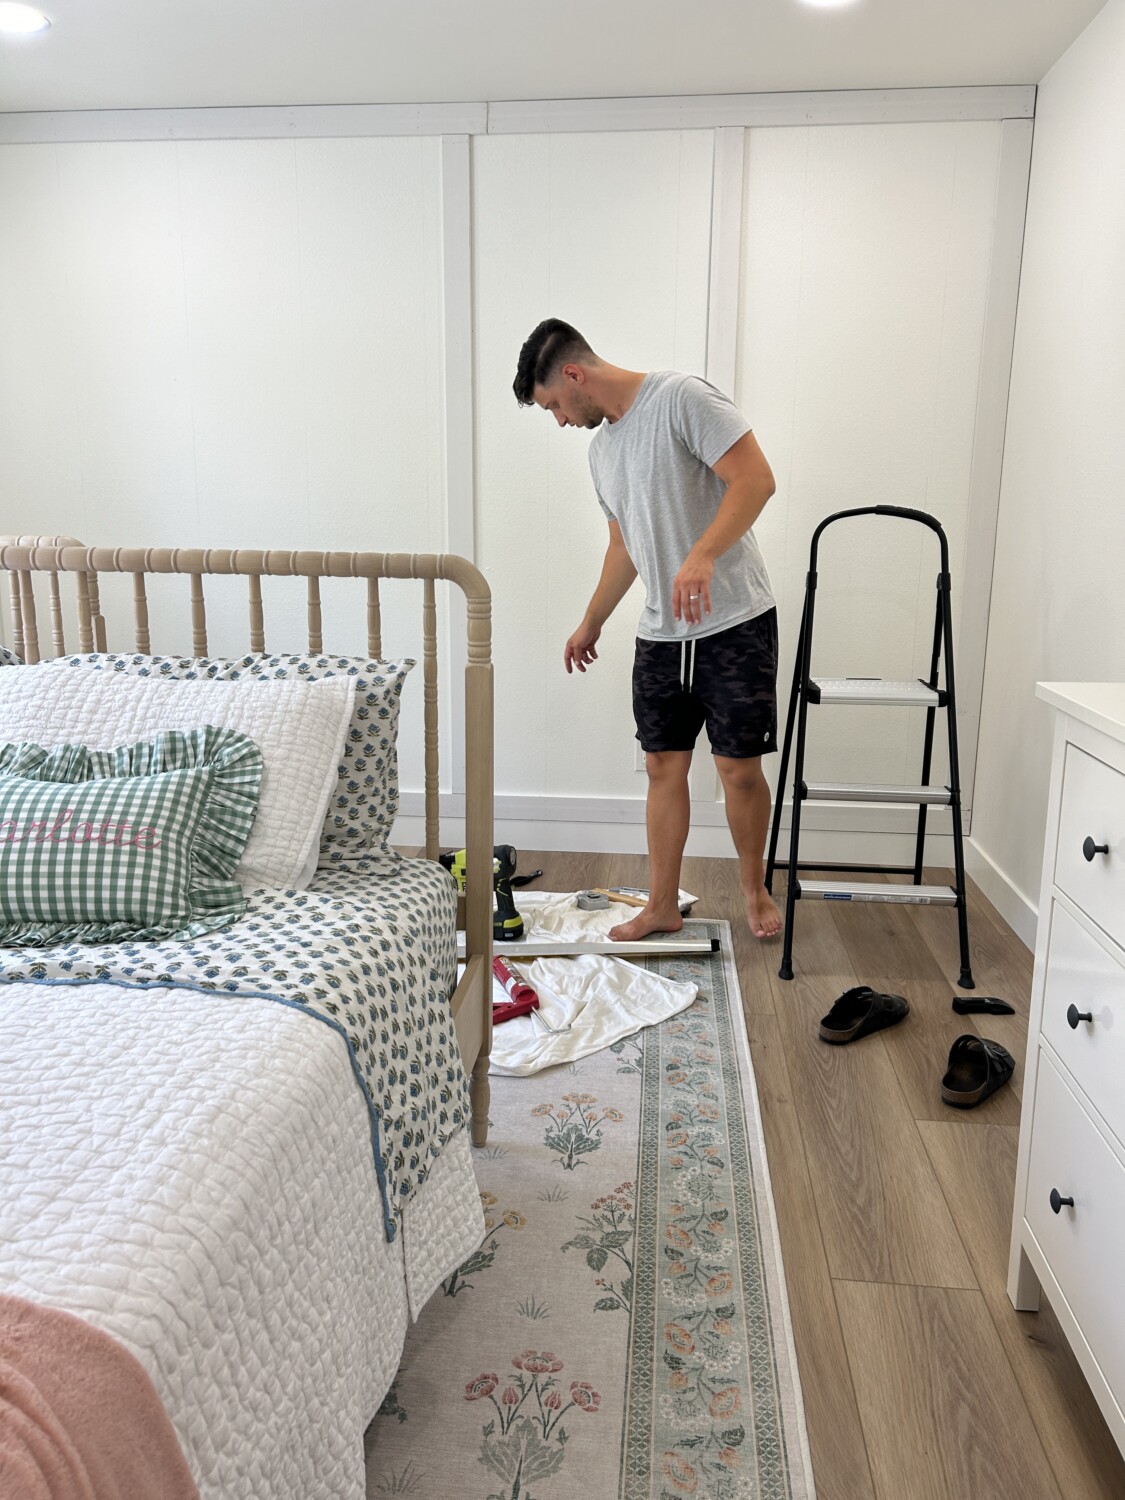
977	1068
859	1012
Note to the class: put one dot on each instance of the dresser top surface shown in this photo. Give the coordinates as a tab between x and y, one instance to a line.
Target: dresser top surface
1099	704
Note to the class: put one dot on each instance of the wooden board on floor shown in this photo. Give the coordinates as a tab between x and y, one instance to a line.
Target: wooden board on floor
882	1212
941	1410
976	1169
839	1457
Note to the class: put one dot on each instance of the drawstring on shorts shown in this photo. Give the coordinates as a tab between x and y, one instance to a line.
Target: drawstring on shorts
687	664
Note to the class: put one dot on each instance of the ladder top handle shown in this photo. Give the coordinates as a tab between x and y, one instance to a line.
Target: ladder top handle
885	510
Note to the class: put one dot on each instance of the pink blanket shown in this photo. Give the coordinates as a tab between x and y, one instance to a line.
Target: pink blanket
79	1417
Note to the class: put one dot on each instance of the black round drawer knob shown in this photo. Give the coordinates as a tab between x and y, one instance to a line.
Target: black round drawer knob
1074	1015
1089	848
1058	1202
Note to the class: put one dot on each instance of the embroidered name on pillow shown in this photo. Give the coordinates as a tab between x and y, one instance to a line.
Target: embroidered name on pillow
44	832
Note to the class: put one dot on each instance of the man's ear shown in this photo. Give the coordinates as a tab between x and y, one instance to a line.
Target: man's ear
574	373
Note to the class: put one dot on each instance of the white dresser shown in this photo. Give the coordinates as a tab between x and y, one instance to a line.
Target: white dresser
1068	1225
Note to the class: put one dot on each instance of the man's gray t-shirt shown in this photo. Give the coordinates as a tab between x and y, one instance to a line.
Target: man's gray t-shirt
651	469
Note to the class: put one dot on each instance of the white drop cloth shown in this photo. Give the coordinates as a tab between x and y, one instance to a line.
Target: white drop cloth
598	997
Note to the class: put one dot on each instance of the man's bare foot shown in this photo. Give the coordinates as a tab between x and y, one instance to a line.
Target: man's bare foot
651	919
762	914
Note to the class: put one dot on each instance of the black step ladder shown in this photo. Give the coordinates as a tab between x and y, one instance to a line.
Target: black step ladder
872	691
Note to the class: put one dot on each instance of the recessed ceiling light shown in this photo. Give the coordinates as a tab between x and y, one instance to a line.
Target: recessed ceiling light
829	4
21	20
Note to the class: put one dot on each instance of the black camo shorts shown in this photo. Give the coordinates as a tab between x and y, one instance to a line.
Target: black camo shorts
730	686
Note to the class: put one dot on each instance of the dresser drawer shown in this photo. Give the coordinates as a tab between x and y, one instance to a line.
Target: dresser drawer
1080	973
1093	807
1082	1244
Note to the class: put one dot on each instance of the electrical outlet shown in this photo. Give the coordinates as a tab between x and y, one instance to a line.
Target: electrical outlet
639	757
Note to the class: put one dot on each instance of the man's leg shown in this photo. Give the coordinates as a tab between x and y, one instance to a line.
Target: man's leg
748	813
668	815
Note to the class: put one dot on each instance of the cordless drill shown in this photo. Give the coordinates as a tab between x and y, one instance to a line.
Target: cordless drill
506	920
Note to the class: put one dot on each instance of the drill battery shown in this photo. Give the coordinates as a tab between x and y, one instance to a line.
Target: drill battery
506	920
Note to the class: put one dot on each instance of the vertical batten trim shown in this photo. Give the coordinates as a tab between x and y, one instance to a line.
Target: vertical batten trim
1013	175
726	258
457	356
723	287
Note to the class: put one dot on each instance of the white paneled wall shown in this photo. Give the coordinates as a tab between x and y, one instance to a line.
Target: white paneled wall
249	342
226	343
612	234
1058	603
223	342
866	257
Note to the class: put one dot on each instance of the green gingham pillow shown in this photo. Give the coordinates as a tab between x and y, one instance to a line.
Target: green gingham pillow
139	842
9	658
364	805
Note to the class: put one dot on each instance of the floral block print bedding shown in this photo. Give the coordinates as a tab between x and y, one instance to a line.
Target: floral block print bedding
374	958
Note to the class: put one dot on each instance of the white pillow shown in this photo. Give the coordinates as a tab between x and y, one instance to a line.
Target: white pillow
299	727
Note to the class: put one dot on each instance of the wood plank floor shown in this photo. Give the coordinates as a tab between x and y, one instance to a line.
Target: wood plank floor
920	1380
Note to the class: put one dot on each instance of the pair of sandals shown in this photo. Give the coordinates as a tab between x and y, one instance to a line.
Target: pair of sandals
977	1066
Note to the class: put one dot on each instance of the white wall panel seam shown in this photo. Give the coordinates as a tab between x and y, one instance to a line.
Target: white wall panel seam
696	112
819	817
459	423
724	280
188	366
709	111
243	122
997	348
302	326
71	328
726	258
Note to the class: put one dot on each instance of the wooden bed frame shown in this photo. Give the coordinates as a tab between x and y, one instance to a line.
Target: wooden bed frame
23	557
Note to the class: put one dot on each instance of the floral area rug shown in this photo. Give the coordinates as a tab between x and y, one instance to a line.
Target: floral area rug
623	1331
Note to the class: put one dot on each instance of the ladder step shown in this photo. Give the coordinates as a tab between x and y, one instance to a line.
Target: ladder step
903	895
880	690
835	791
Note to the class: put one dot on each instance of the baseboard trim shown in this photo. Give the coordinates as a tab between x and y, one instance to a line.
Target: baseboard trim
1017	910
831	832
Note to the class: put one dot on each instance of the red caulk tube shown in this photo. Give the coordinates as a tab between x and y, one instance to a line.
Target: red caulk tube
524	998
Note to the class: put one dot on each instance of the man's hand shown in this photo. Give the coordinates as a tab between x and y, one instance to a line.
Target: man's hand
580	648
691	590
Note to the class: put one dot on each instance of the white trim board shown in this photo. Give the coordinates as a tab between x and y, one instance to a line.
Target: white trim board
1017	909
993	381
616	825
703	842
709	111
674	112
850	818
458	398
242	122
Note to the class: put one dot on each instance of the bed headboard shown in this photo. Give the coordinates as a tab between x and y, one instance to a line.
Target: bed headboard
58	558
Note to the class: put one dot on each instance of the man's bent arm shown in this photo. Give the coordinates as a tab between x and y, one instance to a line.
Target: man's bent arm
750	483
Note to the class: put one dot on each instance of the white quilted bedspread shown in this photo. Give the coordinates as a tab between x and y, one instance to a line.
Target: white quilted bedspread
195	1178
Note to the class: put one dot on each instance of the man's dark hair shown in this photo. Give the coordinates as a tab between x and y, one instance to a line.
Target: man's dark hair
551	345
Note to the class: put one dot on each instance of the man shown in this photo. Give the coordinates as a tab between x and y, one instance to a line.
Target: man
681	480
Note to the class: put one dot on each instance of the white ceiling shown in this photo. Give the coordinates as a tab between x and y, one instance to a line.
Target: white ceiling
127	54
